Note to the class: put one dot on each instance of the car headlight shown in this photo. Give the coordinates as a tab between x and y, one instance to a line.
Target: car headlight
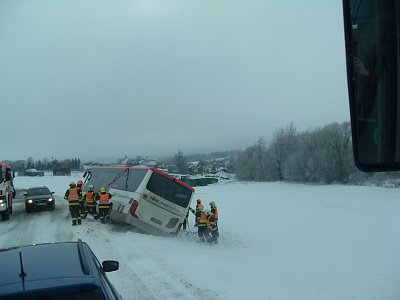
50	199
1	201
30	201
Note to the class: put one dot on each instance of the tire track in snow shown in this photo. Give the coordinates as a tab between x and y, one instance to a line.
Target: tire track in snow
125	280
168	283
150	277
36	227
161	278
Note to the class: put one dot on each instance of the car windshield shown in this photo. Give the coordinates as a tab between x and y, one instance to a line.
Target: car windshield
38	191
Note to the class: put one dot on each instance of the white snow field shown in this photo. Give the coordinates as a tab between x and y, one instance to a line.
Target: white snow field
278	241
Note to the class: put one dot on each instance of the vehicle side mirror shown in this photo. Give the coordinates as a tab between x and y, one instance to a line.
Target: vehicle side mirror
25	195
373	69
52	192
110	265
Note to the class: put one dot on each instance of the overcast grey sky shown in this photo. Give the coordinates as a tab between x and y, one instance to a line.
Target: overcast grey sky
98	79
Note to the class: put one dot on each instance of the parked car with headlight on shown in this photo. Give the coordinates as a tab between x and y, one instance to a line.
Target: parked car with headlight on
39	198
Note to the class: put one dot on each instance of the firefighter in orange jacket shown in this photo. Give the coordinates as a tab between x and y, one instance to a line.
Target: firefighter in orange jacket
201	222
198	204
73	195
89	199
213	223
104	205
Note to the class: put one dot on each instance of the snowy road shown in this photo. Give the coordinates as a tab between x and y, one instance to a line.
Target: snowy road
278	241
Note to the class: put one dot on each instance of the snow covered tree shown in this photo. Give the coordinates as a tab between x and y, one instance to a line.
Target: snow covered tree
282	146
252	163
181	162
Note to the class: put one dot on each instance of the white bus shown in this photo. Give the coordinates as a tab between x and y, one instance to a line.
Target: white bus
147	198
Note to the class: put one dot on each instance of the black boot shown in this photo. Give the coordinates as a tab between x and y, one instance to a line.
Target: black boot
79	222
73	222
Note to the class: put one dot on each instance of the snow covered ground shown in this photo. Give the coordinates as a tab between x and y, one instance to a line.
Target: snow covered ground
278	241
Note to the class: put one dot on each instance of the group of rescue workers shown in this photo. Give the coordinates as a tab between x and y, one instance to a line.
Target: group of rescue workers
82	205
206	222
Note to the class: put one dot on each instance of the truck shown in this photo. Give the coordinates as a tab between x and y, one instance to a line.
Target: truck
7	191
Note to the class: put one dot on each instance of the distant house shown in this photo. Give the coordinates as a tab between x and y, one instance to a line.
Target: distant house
32	172
62	172
148	162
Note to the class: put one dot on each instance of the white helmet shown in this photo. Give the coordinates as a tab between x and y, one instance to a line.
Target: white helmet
212	204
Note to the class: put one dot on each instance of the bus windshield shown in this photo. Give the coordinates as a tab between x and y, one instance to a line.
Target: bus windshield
126	179
169	190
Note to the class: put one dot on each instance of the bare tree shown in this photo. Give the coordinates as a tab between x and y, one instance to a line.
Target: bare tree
282	146
180	162
252	164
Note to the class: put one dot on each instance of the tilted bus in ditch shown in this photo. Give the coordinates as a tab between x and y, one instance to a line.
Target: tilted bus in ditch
146	198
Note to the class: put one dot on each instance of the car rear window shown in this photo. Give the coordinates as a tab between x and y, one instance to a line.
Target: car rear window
39	191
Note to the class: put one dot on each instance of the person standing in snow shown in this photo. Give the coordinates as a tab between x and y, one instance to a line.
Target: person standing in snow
89	199
73	195
104	205
213	223
201	222
198	204
196	213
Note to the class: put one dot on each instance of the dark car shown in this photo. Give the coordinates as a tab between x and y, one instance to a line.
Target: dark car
67	270
39	198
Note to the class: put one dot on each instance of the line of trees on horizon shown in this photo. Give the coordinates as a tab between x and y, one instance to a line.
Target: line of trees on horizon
46	164
320	155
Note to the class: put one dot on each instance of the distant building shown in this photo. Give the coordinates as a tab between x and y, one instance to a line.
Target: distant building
31	172
148	162
62	172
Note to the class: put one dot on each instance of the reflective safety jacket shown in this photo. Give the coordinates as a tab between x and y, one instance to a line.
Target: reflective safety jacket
104	200
212	223
73	196
90	198
197	214
201	220
214	211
